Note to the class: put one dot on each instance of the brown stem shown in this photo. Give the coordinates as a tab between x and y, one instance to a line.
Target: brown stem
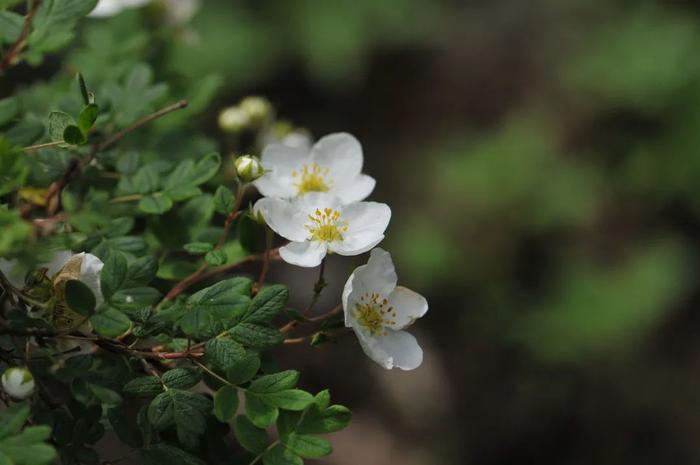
266	258
322	317
21	42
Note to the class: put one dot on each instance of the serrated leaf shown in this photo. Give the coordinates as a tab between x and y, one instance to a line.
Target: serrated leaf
256	336
275	382
110	322
306	446
216	257
225	403
10	26
155	204
180	378
224	200
58	122
198	248
249	436
289	399
12	418
280	455
261	414
161	453
190	173
224	353
317	421
113	274
80	298
243	370
143	386
267	304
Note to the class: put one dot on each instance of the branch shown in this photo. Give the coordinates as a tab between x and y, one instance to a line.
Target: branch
21	42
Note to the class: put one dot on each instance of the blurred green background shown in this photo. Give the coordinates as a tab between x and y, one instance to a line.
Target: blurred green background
542	160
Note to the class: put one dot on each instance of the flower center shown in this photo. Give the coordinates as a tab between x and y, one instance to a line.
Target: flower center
312	179
373	314
326	225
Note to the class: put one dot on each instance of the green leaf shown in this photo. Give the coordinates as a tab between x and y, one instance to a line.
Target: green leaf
141	271
113	274
290	399
225	403
161	453
83	89
243	370
13	418
134	298
183	409
155	204
180	378
110	322
309	447
216	257
224	353
9	108
275	382
28	447
183	192
256	336
80	298
249	436
261	414
87	117
267	304
329	420
143	386
280	455
198	248
224	200
53	23
105	395
10	26
73	135
189	173
58	122
14	167
213	309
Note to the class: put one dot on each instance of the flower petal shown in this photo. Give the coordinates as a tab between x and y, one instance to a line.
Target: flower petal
356	189
285	218
408	307
59	259
307	253
367	222
395	349
341	153
279	161
377	276
90	269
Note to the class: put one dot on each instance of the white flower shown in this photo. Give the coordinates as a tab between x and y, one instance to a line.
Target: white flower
319	223
63	267
18	382
378	311
107	8
333	165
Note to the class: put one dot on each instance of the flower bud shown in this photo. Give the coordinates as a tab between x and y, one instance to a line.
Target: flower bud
18	382
258	110
248	168
233	119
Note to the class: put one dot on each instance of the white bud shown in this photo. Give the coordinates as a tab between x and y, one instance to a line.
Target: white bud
233	119
248	168
258	110
18	382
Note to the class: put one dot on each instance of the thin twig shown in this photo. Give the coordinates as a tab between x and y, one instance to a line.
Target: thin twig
315	319
44	145
266	257
21	42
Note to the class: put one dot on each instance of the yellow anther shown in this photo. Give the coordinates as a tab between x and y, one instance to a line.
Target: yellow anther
312	179
370	312
326	225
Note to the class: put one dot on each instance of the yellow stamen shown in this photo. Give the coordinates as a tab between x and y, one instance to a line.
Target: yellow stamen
313	179
372	313
326	225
